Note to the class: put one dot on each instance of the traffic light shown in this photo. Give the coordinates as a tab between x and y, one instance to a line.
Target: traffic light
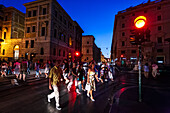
133	40
137	34
77	53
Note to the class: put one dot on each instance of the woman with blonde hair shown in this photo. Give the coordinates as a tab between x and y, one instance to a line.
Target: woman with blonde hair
91	81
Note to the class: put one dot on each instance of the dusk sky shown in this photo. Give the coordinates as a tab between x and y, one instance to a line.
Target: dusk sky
96	17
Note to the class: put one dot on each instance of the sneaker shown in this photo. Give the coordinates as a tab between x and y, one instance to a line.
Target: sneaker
88	95
68	89
48	99
67	81
77	91
58	108
92	99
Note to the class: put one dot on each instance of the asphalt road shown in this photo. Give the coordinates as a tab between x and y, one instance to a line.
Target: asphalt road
32	97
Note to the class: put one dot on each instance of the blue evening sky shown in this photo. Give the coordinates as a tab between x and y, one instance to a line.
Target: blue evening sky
96	17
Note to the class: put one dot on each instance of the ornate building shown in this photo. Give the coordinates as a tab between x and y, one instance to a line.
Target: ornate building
89	49
11	32
158	21
50	33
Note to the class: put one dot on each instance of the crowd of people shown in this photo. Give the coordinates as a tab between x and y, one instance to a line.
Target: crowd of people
82	76
78	74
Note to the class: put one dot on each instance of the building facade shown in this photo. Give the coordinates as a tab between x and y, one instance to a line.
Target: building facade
158	21
11	32
90	51
50	33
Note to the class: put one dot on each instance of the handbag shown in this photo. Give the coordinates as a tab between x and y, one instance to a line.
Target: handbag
87	87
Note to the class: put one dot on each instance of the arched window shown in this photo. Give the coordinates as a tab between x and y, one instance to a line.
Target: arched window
16	52
42	51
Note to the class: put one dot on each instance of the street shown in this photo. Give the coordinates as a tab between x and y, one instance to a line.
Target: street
120	96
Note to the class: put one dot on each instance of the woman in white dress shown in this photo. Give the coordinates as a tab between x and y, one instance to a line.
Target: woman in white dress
91	80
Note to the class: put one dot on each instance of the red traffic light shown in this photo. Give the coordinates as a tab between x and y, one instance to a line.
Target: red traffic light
121	56
77	53
140	21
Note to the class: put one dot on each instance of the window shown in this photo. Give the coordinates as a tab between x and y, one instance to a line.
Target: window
33	28
44	11
63	53
61	35
133	51
34	12
159	39
56	14
159	50
123	34
87	50
26	44
32	43
65	21
28	29
1	18
55	33
61	18
42	51
64	38
159	18
123	43
43	31
3	53
4	35
87	42
54	51
123	17
6	18
123	25
29	13
59	53
159	8
122	52
159	28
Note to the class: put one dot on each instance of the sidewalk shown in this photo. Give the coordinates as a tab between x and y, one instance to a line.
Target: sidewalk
5	82
153	101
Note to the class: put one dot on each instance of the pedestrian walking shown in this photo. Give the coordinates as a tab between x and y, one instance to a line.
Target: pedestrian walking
66	71
17	67
24	64
146	70
154	70
9	67
47	68
54	82
81	76
4	68
91	82
73	78
37	69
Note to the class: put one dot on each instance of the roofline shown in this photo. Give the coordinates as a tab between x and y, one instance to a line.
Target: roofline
13	8
141	6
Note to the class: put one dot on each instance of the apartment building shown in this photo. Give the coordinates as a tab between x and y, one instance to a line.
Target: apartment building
50	33
90	51
158	21
11	32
